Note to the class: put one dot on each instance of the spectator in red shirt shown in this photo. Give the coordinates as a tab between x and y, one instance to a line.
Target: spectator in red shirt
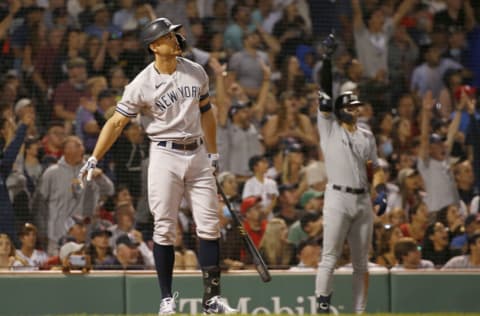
52	142
251	209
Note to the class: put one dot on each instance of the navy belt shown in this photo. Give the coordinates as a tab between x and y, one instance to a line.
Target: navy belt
349	189
180	146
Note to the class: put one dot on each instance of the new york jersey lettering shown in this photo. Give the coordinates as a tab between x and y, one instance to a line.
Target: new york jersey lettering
176	96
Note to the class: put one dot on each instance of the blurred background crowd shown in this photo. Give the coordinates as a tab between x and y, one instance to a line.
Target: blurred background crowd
65	63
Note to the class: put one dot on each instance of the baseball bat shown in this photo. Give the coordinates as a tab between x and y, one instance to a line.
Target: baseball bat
252	250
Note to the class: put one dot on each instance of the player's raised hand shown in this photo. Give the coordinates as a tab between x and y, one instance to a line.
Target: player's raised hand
329	45
88	168
325	103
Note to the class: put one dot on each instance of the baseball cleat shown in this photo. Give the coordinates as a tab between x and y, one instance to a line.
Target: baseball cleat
218	305
167	305
323	308
323	304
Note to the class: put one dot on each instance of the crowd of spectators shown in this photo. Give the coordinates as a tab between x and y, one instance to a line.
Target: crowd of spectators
64	65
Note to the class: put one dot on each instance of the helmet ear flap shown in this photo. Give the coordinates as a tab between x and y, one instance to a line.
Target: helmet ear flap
182	42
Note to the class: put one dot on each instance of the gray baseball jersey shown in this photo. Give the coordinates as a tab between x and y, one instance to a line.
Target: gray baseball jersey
168	104
169	112
346	215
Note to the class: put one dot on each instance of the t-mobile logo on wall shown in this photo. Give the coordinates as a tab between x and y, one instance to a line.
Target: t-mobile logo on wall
305	305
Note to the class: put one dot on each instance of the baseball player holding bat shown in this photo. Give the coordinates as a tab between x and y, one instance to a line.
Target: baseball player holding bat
171	96
347	211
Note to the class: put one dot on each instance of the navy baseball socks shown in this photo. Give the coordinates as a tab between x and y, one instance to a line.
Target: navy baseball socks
213	303
164	260
209	258
323	304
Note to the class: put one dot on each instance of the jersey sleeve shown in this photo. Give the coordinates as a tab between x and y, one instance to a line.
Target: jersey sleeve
325	123
205	88
130	103
373	151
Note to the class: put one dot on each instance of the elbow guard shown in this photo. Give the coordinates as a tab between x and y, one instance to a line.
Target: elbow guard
325	102
205	108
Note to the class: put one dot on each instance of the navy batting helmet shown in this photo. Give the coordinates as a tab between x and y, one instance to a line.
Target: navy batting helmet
156	29
347	98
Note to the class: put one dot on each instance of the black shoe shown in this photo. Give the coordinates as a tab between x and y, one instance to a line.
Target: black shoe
323	304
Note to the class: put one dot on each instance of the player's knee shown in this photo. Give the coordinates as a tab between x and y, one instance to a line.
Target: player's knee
328	262
360	268
208	233
164	238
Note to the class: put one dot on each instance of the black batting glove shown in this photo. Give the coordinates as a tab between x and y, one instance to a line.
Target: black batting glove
329	46
325	102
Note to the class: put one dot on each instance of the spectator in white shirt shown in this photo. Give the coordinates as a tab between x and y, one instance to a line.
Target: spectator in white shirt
433	162
27	257
260	185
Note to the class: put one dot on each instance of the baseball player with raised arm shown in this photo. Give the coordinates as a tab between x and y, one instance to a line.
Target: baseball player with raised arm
171	96
347	211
